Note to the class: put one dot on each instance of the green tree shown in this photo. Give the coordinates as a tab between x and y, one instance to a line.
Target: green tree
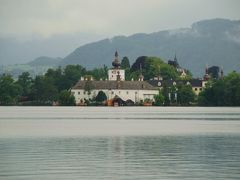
9	90
57	77
101	96
125	64
44	90
65	98
72	74
165	91
159	99
232	89
99	73
153	67
222	92
25	81
185	95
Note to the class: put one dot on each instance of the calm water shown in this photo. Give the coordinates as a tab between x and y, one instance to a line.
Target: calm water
119	143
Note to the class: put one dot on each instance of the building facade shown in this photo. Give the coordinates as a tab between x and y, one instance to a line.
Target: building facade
115	86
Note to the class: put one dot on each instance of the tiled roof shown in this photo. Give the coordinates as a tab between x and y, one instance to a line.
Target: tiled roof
139	85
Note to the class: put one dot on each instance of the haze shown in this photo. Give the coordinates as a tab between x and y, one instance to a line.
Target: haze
57	27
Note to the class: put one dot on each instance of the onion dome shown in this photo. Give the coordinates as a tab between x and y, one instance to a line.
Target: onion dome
116	63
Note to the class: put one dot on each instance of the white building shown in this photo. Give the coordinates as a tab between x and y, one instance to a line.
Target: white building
113	72
115	86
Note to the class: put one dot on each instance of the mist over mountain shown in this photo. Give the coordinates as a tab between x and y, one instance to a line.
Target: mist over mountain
45	61
26	49
212	42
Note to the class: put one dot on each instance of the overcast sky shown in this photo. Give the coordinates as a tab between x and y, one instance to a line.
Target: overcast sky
45	18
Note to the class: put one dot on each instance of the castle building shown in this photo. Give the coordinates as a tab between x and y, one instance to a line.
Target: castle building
213	72
125	92
115	87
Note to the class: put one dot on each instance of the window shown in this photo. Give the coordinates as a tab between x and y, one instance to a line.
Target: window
127	92
195	89
112	92
84	92
159	83
78	92
200	89
119	92
136	92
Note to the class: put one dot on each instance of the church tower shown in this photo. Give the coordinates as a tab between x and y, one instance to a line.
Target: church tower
115	73
206	76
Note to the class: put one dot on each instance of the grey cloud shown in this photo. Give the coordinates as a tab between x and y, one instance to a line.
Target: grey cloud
107	17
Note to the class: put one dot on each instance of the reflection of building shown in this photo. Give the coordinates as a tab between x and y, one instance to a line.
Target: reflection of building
115	87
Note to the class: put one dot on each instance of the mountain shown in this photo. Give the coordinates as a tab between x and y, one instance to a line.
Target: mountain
45	61
38	66
20	50
212	42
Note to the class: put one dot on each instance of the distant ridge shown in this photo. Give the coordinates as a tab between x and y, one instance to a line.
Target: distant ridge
45	61
212	42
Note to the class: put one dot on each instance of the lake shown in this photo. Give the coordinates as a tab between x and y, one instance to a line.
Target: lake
118	143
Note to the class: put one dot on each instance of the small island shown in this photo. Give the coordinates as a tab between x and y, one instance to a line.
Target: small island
148	82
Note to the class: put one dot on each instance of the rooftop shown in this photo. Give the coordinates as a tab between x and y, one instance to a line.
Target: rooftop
130	85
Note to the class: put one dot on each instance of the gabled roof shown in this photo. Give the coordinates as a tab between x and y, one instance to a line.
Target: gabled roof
131	85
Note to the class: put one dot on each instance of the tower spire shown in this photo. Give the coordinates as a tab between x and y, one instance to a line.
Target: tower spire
175	57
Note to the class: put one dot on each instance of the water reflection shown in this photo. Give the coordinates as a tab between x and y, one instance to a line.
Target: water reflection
162	157
119	143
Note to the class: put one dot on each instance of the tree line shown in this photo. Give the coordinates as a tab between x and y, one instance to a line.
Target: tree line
222	92
55	84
